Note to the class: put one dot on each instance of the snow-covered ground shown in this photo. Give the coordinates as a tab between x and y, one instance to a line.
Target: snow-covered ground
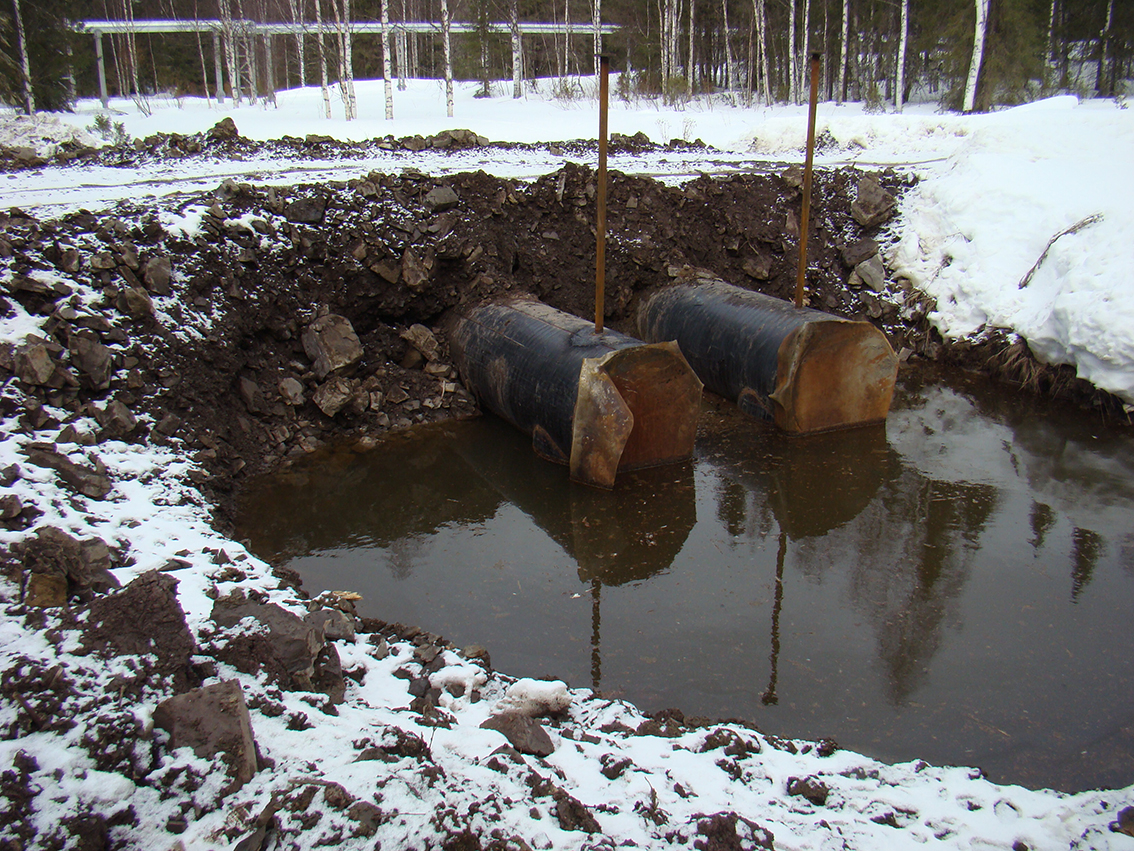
994	190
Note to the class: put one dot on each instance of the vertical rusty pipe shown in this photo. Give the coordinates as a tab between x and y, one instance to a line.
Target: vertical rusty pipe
805	213
600	201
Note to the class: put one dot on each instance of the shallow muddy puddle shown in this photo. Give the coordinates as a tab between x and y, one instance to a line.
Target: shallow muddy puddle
956	585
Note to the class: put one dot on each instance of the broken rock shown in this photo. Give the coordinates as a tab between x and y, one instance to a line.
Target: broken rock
94	360
524	734
213	721
422	339
280	641
84	480
330	341
145	617
334	394
874	205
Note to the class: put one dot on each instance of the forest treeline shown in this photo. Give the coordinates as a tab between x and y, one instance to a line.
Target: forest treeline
963	54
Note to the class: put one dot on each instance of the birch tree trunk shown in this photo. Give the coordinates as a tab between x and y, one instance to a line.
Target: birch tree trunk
25	65
596	26
903	38
1101	87
729	70
842	83
793	70
230	50
1051	35
805	53
447	49
759	17
322	57
689	59
517	59
300	46
387	74
969	103
346	71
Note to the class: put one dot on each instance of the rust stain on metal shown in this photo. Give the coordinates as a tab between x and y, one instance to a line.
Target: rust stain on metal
833	375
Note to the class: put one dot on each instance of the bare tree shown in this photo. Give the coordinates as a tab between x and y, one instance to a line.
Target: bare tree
760	22
225	9
1103	85
322	57
517	54
300	39
730	83
596	24
25	65
346	70
903	39
793	65
446	23
842	83
689	62
388	83
979	31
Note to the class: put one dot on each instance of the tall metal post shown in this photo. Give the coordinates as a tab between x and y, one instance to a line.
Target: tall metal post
805	212
600	200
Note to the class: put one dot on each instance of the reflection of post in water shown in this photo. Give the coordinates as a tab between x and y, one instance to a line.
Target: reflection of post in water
596	617
769	697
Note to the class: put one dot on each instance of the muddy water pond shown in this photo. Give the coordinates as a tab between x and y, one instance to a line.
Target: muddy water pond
956	585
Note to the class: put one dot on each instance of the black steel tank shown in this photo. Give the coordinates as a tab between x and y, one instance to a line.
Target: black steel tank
806	370
598	403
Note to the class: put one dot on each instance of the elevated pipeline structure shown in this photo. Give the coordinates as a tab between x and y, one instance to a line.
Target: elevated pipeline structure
804	369
599	402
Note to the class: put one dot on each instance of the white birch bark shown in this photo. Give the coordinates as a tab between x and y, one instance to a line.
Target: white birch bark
230	50
400	54
388	83
842	83
446	22
1051	35
596	23
730	82
322	57
517	59
300	45
969	103
25	65
805	53
759	17
346	70
903	39
689	55
566	37
793	67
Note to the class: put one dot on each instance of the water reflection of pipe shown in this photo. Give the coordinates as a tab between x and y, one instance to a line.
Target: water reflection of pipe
623	535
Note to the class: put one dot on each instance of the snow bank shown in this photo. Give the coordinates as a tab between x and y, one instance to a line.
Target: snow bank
973	228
